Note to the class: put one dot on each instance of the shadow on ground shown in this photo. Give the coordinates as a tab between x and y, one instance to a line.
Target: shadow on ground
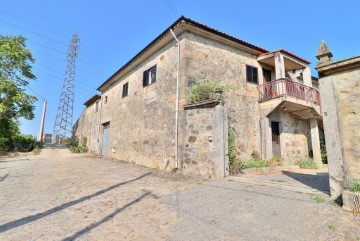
320	181
107	218
22	221
3	177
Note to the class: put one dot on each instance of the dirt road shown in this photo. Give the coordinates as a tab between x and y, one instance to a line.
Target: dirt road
62	196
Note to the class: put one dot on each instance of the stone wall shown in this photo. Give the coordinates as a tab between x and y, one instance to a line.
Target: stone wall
142	125
198	144
340	95
295	137
87	126
205	140
210	60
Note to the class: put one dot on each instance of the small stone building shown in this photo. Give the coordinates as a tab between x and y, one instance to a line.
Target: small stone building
143	116
340	92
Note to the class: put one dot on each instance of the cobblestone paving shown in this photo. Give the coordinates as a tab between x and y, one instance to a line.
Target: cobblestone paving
63	196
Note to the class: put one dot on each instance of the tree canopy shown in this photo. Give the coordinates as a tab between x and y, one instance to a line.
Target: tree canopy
15	73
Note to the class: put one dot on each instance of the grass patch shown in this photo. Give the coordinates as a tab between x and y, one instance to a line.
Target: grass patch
307	163
357	237
354	185
278	180
335	203
36	150
253	164
78	149
318	198
331	226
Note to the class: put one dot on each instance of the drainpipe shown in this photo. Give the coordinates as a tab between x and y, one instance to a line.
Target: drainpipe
177	104
99	124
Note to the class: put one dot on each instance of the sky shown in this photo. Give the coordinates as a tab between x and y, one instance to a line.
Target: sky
112	32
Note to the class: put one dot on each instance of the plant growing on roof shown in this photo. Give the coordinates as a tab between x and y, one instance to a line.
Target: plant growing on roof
204	89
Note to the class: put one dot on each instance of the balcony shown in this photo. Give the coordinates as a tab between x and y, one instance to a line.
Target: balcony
287	88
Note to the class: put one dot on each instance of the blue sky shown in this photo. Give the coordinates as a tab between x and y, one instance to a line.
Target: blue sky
111	32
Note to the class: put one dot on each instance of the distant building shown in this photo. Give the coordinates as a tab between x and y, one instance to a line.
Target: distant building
274	107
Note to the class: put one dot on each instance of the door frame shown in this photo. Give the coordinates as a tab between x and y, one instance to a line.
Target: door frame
105	142
275	137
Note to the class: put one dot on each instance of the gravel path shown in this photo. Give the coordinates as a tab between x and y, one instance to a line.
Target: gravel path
62	196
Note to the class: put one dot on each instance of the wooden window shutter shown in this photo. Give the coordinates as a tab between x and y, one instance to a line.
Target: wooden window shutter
145	78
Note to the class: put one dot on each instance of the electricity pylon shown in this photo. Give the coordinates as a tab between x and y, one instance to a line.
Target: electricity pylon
63	122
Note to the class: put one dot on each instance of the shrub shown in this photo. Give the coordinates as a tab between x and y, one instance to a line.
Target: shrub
73	141
323	151
234	167
203	89
274	161
78	149
5	144
23	139
307	163
354	185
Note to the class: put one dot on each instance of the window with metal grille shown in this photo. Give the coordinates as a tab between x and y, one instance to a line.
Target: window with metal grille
251	74
125	89
149	76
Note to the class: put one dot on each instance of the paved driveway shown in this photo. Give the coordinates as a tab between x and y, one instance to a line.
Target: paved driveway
62	196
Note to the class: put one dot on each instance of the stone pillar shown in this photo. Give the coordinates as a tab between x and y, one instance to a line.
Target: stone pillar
220	143
268	138
279	66
307	76
315	141
332	138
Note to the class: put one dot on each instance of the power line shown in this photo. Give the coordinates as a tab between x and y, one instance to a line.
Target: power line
40	35
44	46
58	72
34	92
25	20
171	8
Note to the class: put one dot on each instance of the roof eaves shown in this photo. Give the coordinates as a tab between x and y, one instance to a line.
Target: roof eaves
166	31
92	100
288	53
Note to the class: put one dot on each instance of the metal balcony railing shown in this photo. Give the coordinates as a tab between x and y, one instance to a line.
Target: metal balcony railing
284	87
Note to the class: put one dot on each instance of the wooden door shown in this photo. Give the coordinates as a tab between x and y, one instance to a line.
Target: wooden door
275	135
105	139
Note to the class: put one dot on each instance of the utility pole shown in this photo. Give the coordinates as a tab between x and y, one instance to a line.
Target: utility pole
41	132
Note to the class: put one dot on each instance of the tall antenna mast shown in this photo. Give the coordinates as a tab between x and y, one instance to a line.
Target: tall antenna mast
63	122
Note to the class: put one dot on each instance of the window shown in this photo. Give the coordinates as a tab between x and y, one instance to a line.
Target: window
125	89
251	74
149	76
105	100
96	106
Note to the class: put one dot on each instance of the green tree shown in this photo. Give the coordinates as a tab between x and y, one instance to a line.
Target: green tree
15	73
9	128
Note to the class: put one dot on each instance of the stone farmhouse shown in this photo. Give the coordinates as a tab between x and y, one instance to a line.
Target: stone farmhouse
142	114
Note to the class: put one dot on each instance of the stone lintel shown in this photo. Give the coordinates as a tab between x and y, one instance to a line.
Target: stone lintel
203	104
